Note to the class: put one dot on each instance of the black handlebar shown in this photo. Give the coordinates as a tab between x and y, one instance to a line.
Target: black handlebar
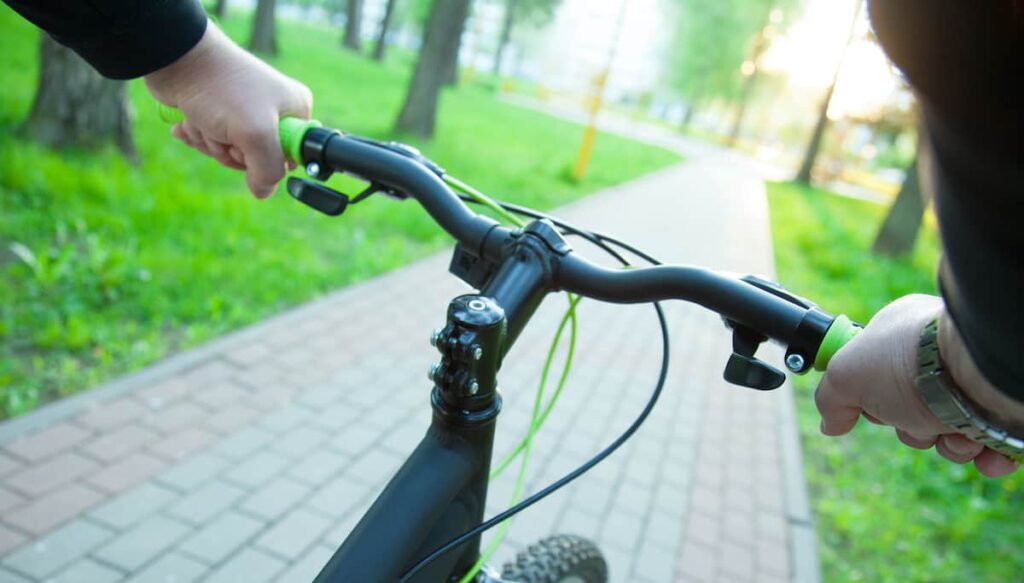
746	307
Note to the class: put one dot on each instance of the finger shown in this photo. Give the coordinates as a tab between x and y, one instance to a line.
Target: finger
838	415
872	418
994	464
178	132
195	137
264	160
956	449
237	156
220	154
914	441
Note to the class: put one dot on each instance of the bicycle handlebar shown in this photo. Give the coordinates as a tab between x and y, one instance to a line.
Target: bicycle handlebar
399	168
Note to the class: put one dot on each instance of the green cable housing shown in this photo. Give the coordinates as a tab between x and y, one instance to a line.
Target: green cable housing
838	335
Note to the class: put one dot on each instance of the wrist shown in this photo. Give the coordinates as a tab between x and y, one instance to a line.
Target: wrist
993	404
171	84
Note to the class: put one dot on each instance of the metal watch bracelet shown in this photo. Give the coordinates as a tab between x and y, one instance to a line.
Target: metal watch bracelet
948	403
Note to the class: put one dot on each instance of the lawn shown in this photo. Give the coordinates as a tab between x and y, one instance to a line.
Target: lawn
884	512
105	266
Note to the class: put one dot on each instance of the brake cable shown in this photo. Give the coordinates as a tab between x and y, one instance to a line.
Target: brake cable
603	242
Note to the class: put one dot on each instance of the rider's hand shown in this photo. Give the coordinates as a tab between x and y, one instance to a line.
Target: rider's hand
874	375
232	102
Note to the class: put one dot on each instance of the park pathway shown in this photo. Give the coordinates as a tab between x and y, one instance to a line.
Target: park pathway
250	458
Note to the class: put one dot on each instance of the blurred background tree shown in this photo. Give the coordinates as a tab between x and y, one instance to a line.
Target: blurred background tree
517	11
264	37
75	106
437	59
352	39
385	27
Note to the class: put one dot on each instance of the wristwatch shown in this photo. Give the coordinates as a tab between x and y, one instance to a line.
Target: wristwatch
948	403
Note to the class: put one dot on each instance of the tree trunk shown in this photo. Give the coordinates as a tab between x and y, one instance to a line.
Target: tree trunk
440	46
353	24
506	34
75	106
385	25
220	9
263	38
741	110
691	110
811	154
899	230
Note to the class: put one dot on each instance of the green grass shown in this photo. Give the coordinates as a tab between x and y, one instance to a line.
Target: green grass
884	512
117	266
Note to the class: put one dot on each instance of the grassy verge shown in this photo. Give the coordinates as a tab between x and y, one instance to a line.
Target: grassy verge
884	512
116	266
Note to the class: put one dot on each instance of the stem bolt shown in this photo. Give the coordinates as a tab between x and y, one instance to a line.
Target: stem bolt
435	336
474	387
795	362
313	169
478	353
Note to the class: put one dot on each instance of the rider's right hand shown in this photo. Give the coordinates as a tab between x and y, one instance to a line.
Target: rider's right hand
874	375
232	102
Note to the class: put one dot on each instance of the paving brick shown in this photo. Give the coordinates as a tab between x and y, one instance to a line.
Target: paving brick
205	502
622	530
339	496
321	396
48	442
87	570
664	531
274	498
308	566
106	416
318	467
249	354
8	464
243	443
697	562
142	543
215	541
375	468
120	442
655	564
257	469
126	473
300	441
10	539
9	500
295	533
250	565
736	560
177	416
163	394
8	576
171	568
43	514
772	557
38	479
193	472
58	549
231	418
356	439
284	419
180	444
334	418
221	396
133	506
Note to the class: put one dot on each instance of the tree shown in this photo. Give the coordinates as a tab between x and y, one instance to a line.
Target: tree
518	11
75	106
263	38
898	232
353	22
440	46
814	146
710	43
385	25
220	9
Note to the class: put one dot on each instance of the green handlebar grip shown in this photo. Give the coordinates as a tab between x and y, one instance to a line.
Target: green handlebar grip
290	130
838	335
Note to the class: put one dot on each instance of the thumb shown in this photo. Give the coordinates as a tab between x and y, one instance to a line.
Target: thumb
839	414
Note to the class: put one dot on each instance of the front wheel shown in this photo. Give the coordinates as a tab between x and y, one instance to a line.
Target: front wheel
563	558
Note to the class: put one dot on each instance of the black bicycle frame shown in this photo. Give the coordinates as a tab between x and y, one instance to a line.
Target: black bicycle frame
441	490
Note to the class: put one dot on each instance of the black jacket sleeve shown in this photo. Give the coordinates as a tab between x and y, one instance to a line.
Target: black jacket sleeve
964	61
121	39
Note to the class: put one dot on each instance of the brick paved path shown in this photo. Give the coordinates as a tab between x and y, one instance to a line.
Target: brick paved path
250	459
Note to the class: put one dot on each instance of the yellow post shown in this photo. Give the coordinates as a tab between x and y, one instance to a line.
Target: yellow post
590	133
